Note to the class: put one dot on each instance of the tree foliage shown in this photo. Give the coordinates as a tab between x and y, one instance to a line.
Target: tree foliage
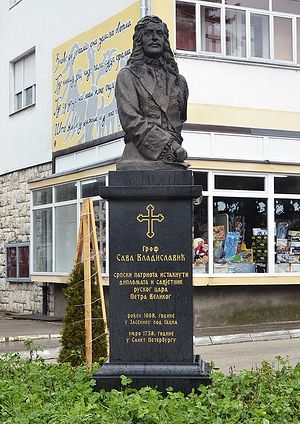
73	334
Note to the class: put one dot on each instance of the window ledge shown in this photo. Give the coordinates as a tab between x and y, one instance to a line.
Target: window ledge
240	61
23	108
58	279
18	280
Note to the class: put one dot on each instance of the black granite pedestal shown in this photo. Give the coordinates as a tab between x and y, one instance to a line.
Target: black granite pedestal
150	294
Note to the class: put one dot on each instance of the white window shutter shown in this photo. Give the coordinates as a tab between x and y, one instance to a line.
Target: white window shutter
18	76
29	71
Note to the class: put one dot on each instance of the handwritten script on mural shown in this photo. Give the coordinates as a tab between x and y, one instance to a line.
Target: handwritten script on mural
84	76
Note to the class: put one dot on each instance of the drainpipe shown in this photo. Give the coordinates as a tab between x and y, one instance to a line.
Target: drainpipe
144	9
45	298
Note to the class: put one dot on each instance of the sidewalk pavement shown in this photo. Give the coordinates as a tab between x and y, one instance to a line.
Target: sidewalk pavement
12	329
44	327
247	333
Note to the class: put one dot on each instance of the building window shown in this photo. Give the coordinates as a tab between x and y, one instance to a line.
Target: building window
55	220
17	262
24	82
186	26
244	29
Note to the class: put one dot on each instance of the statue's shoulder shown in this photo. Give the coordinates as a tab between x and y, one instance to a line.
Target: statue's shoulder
131	70
181	79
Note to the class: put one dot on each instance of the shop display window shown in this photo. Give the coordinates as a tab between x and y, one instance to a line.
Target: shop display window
287	235
240	235
231	226
200	238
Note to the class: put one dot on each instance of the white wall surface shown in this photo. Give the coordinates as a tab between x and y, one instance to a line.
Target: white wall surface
241	84
240	147
25	137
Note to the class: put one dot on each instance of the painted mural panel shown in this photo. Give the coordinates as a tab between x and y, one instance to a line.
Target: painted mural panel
84	75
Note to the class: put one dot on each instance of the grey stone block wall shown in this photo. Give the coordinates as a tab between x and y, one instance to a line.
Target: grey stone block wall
21	298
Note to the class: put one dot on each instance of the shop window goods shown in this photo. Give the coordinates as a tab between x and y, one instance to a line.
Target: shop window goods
246	223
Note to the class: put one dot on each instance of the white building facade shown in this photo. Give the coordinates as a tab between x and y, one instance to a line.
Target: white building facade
61	136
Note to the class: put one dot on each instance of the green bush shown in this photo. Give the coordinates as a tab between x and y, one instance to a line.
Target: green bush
73	334
33	392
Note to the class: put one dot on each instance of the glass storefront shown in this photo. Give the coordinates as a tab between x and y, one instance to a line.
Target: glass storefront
245	224
55	221
236	218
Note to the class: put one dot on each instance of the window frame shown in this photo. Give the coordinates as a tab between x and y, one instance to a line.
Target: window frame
295	62
53	205
13	94
267	194
17	279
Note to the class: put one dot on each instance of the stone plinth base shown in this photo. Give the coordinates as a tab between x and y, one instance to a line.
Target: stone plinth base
181	377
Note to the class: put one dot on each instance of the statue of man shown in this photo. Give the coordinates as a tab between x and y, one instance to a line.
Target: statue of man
152	100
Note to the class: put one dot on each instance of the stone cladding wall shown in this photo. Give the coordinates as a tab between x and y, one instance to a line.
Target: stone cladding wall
20	298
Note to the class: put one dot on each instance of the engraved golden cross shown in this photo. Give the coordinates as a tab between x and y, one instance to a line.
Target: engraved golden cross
150	218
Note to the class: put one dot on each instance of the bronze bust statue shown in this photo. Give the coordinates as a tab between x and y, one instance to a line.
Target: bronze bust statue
152	101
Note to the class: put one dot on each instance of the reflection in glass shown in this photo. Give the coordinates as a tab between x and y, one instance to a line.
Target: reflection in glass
42	240
240	235
42	197
29	93
211	29
23	261
18	101
100	221
298	40
283	45
260	40
200	178
287	185
287	6
235	33
185	26
255	4
66	192
287	235
229	182
65	237
90	188
11	262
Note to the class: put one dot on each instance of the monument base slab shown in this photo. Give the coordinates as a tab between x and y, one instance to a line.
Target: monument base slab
181	377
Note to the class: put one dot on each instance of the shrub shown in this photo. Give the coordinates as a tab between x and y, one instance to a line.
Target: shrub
73	333
33	392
